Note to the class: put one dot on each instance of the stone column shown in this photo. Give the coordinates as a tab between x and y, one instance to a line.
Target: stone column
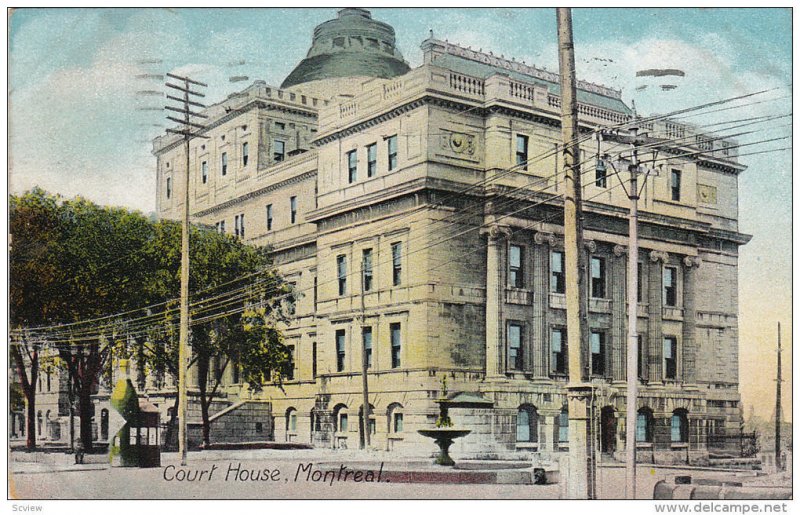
544	243
655	355
495	289
617	356
689	345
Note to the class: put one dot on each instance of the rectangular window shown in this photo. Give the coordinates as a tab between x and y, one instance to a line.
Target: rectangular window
670	357
639	283
675	185
640	355
598	344
515	273
670	286
278	151
558	349
372	160
366	267
398	422
340	350
224	163
522	151
598	273
563	426
600	174
352	167
290	364
394	329
397	265
514	346
280	126
293	210
314	358
557	281
341	273
238	225
366	335
391	147
220	226
245	153
204	171
269	217
169	187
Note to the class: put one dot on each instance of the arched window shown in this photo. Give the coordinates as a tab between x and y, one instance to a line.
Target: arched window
527	424
680	426
395	417
563	426
104	424
39	423
340	419
48	427
291	420
644	425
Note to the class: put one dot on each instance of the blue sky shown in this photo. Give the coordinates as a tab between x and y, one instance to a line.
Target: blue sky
75	127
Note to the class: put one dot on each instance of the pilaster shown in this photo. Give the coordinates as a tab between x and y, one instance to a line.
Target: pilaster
495	287
543	244
617	357
689	345
655	355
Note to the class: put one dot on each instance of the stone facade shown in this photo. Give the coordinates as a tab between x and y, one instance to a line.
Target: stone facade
433	193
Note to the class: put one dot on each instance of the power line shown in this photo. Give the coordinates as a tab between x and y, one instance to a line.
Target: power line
547	154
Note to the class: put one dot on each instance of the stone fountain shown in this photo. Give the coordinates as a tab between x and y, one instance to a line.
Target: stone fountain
444	433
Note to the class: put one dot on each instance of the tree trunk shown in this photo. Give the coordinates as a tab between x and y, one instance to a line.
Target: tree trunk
202	372
172	424
29	389
30	441
85	409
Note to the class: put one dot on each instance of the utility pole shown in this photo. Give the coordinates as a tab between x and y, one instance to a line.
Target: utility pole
779	380
580	480
633	337
364	363
183	346
633	191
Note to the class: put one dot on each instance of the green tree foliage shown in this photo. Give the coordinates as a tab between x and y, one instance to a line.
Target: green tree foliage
72	260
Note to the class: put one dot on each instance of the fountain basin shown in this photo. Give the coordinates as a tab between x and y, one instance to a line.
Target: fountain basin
444	436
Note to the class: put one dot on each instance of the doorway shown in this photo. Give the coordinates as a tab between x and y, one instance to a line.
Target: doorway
608	430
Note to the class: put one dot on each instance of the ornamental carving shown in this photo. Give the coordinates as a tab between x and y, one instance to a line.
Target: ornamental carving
540	238
590	245
691	261
620	250
657	255
496	232
458	143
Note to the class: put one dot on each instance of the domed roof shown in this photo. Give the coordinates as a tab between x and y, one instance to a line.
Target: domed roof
352	45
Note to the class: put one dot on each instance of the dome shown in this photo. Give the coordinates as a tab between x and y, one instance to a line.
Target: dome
352	45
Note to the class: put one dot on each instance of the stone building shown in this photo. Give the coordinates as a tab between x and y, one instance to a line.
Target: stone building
417	213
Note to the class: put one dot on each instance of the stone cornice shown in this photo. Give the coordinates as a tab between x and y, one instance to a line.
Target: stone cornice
371	122
255	193
256	103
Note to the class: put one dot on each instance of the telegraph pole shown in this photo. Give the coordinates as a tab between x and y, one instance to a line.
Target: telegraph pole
580	480
779	380
364	364
183	348
633	190
633	337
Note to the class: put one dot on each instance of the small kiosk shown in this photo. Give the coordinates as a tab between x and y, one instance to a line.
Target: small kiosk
136	444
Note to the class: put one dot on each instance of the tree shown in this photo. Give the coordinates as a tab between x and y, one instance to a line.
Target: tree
71	260
222	330
34	225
